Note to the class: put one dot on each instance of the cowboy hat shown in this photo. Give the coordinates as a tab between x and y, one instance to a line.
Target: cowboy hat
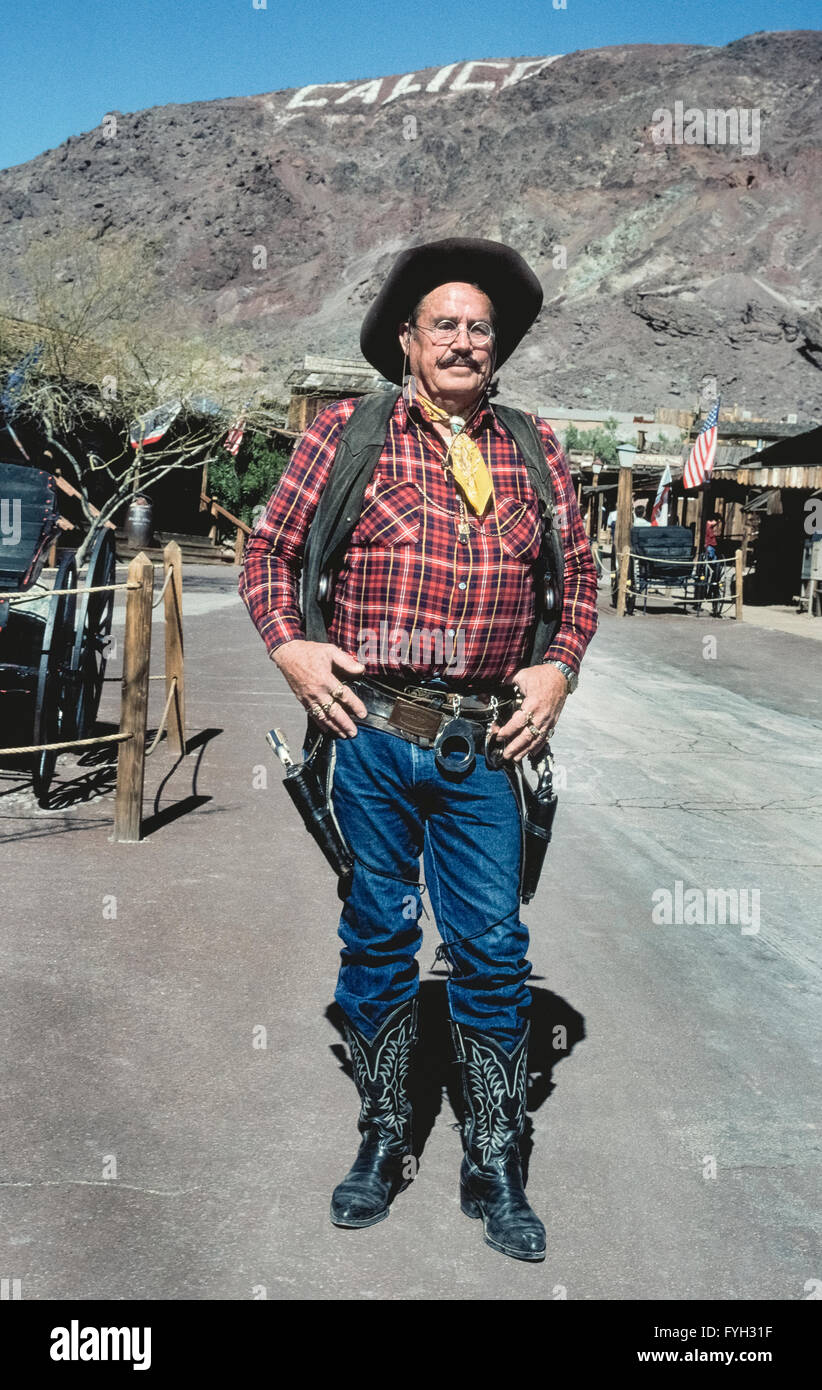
500	272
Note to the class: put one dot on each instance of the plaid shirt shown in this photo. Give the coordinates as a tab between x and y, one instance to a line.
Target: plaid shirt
411	597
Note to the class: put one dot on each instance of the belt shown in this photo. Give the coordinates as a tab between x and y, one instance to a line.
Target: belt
420	713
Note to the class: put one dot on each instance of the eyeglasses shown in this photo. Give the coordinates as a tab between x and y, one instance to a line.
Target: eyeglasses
444	331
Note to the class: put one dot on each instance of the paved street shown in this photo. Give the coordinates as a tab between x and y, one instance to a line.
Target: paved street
151	1148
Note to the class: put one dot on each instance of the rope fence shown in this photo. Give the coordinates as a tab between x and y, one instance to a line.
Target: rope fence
132	734
169	573
652	560
156	739
26	597
66	743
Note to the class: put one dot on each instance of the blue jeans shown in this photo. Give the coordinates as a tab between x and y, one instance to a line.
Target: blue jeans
393	804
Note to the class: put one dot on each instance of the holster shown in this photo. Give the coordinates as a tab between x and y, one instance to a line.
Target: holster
309	785
537	808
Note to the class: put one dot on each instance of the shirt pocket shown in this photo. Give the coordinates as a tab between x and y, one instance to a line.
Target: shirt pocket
519	528
390	518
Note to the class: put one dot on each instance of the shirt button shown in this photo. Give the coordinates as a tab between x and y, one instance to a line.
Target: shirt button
462	584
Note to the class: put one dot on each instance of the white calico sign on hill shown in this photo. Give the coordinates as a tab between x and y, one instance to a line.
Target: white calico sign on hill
474	76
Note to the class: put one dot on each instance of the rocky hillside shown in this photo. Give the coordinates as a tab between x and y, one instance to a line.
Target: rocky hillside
273	218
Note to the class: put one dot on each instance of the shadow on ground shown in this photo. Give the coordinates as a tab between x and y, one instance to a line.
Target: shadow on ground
556	1028
93	773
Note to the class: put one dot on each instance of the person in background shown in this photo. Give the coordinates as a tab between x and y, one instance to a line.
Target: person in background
713	527
611	524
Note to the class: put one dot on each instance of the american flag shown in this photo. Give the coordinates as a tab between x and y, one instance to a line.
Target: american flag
701	458
234	438
659	512
147	429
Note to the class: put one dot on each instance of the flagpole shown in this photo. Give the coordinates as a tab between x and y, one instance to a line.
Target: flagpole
703	519
707	489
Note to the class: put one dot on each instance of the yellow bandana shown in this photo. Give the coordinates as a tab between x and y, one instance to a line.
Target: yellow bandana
467	464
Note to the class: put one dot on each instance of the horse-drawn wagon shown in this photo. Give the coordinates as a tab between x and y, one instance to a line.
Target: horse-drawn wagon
664	562
53	642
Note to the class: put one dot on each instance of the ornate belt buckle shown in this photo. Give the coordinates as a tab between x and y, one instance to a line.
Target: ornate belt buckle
410	717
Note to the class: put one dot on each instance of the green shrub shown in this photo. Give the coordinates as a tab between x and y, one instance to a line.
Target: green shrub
601	443
246	482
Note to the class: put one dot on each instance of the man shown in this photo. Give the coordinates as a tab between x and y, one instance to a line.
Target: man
425	689
713	530
640	519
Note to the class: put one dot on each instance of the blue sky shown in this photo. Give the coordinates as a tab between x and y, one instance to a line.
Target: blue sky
68	62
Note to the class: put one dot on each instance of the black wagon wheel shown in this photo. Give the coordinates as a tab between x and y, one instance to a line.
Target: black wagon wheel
93	628
50	724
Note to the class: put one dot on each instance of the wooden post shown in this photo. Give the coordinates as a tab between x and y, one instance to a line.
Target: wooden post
738	568
624	509
173	600
622	582
239	546
705	504
128	801
746	536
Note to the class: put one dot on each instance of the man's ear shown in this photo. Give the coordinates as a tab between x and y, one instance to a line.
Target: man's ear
405	336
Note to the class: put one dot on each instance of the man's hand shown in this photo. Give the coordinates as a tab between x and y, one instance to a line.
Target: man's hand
314	670
544	692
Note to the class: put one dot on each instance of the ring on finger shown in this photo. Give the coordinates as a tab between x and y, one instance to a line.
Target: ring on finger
534	728
316	711
335	694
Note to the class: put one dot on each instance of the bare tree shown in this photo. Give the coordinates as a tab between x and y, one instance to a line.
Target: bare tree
103	367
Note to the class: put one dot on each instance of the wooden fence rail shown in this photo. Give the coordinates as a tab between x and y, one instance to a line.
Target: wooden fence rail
243	530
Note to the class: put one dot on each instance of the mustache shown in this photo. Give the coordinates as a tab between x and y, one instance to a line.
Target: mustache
452	359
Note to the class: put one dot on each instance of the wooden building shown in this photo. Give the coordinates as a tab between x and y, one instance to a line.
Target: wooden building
765	475
322	380
763	498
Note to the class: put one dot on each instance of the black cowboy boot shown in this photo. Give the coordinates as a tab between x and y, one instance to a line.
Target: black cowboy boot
493	1085
381	1168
